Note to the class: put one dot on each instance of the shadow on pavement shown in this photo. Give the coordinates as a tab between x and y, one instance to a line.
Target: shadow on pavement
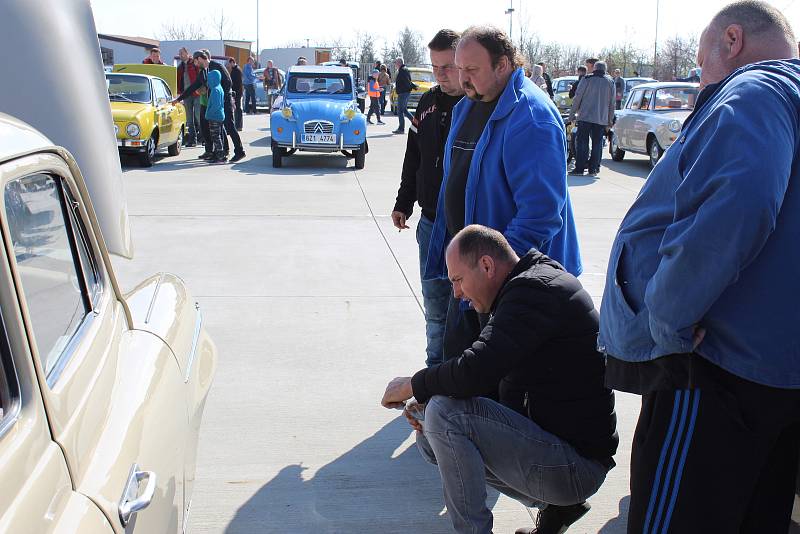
367	489
577	181
619	524
296	165
639	168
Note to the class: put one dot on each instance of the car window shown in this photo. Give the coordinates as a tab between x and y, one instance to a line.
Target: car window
426	77
332	84
166	89
630	84
90	266
563	86
648	96
158	90
9	387
674	98
128	88
45	252
634	100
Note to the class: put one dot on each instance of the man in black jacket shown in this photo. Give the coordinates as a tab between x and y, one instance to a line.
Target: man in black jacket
201	60
550	439
403	86
547	79
237	91
421	178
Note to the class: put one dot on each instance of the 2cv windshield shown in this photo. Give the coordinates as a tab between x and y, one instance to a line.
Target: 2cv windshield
331	84
125	88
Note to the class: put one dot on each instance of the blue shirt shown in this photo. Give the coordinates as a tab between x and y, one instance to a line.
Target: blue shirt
248	78
713	239
517	180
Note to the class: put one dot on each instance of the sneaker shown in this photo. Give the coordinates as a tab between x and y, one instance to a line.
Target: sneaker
237	156
575	172
398	131
381	122
205	155
369	121
594	173
216	159
556	519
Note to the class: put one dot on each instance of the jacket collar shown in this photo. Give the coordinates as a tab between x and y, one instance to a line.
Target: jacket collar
510	95
525	262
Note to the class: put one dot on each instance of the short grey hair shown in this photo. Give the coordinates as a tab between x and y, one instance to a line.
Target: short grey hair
756	18
476	241
400	59
600	65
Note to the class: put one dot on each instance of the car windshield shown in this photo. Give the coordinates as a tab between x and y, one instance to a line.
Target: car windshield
673	98
128	88
331	84
630	84
563	86
425	77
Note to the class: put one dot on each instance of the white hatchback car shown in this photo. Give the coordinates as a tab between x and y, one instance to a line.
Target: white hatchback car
651	119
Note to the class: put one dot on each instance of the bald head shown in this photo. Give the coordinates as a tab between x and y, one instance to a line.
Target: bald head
741	33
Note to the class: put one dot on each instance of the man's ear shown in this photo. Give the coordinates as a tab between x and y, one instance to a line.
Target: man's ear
733	40
486	265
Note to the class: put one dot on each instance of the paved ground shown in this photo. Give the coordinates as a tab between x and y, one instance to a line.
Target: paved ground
313	300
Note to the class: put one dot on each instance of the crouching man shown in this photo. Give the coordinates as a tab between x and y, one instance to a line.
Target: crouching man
550	439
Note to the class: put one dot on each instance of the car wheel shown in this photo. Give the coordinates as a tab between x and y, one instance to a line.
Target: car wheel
277	155
617	154
148	157
360	156
654	151
175	148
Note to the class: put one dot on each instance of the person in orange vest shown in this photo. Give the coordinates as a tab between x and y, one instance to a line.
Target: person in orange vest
374	91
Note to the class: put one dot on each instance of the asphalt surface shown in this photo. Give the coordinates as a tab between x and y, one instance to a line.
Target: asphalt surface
313	299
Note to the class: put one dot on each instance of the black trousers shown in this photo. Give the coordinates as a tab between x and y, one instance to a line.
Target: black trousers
722	458
238	112
230	129
207	142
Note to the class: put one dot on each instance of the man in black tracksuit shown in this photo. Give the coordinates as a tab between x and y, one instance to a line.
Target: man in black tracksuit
202	61
421	178
403	86
550	439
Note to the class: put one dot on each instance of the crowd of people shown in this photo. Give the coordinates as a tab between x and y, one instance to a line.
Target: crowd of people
518	388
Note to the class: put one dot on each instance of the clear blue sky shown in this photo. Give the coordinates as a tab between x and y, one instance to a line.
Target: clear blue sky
589	23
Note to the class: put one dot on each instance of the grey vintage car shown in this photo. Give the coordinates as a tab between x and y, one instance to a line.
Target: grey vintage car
651	119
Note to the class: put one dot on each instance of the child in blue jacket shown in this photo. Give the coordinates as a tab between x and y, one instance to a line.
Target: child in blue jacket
215	115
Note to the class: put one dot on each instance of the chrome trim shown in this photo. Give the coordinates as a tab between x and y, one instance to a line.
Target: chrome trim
66	354
341	141
11	418
198	325
153	299
294	140
318	126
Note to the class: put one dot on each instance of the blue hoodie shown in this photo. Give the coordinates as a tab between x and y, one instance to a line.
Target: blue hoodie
714	237
215	109
517	182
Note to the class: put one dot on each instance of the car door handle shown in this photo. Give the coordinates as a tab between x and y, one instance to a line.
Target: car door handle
131	502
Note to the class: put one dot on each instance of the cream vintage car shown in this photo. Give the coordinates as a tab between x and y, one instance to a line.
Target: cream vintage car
101	393
651	119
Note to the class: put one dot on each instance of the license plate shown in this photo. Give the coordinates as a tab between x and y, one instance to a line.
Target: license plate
319	138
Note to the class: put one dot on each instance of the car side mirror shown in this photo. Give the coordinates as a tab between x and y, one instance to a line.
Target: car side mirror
161	101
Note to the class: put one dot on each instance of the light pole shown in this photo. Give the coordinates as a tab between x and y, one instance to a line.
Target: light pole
510	13
655	43
258	50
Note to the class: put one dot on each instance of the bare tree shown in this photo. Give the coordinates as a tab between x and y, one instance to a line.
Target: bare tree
366	48
676	56
174	31
342	50
410	47
223	26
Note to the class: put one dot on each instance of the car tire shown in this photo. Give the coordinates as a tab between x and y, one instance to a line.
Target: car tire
175	148
654	151
277	156
617	154
148	157
360	156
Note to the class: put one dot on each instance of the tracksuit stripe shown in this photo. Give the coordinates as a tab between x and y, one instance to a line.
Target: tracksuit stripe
679	474
673	456
664	449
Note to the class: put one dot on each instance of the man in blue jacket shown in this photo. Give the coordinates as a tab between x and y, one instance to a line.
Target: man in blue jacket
504	167
700	313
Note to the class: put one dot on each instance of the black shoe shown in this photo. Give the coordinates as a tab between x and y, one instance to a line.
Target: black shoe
216	159
594	173
205	155
237	156
188	144
556	519
575	172
398	131
369	121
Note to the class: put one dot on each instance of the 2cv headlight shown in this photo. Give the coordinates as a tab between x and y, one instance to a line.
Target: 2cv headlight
286	112
132	129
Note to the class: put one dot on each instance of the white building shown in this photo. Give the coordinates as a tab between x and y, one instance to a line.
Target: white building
239	50
283	58
122	49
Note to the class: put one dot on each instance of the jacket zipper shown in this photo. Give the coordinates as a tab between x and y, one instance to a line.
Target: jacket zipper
525	401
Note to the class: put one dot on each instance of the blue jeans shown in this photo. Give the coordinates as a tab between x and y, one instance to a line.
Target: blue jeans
435	297
596	132
249	98
402	110
478	441
192	106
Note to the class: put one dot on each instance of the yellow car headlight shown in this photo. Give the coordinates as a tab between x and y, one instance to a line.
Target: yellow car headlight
133	130
286	112
349	113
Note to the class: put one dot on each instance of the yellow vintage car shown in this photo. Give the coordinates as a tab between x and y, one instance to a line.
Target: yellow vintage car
145	120
423	79
101	393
